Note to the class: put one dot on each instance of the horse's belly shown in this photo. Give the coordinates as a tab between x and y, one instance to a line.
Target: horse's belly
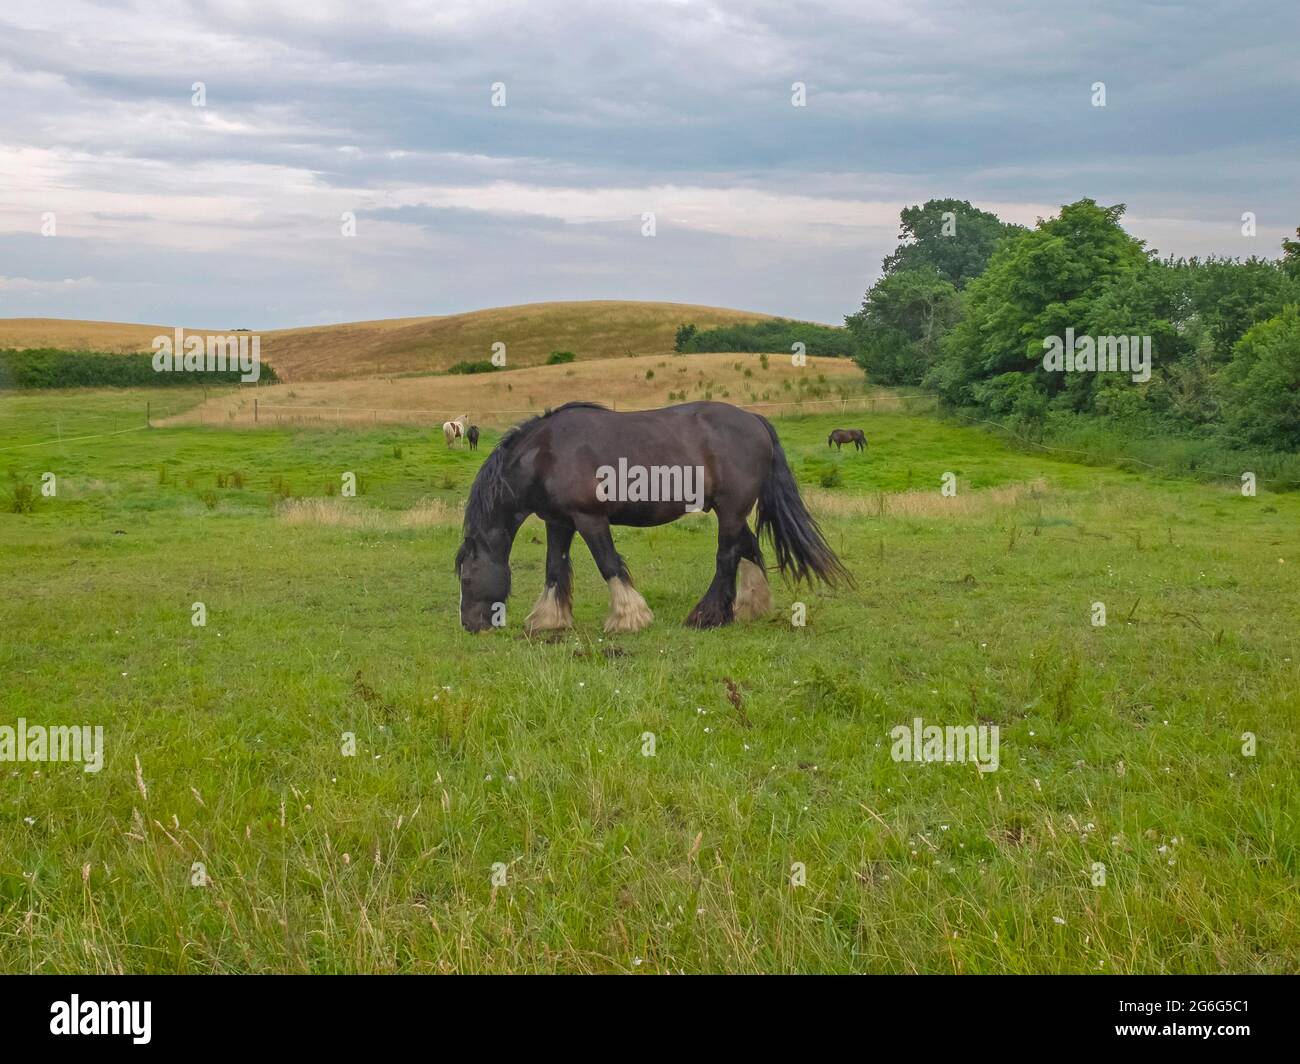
648	514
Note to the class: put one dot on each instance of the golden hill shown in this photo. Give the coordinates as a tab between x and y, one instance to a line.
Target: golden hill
505	398
594	329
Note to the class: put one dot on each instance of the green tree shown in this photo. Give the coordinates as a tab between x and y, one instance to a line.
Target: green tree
903	318
949	236
1037	285
1229	296
1291	256
1260	387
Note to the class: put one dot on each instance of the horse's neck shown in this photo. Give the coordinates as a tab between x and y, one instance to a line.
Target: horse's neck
498	535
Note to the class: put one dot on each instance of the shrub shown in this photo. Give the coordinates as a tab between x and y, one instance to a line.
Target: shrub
558	358
481	366
22	499
831	478
776	335
49	367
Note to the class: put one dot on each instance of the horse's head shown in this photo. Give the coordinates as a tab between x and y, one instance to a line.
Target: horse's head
484	585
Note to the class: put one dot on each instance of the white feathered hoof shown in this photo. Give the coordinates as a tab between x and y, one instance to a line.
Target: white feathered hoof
628	611
753	596
549	613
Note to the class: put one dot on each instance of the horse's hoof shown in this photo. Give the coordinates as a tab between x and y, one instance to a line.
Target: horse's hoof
754	596
707	617
549	614
628	611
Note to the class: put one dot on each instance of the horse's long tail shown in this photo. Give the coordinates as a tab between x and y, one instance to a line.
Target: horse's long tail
801	550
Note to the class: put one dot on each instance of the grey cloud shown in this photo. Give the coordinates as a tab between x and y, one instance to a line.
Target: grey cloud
905	102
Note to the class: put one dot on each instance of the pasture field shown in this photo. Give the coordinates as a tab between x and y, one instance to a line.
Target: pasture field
500	757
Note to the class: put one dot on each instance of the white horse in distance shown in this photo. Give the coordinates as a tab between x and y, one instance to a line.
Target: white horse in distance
455	429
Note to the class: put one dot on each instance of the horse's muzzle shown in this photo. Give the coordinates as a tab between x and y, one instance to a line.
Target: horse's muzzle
475	619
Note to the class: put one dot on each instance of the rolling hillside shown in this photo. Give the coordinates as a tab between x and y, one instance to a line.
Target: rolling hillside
505	398
592	330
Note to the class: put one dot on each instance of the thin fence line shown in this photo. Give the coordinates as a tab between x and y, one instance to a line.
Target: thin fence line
306	410
73	439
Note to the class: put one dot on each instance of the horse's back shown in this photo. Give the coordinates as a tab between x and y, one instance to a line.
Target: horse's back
730	446
702	412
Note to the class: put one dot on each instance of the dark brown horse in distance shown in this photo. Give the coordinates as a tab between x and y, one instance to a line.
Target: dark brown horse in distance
582	468
842	436
471	434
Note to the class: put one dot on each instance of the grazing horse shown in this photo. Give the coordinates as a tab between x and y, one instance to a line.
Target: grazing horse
453	430
842	436
582	468
471	434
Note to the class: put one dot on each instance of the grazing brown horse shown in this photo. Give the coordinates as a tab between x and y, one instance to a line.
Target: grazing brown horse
582	468
842	436
471	434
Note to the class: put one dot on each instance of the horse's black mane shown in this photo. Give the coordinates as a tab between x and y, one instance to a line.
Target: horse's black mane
491	487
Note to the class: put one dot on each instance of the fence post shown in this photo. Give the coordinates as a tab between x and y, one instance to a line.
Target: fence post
254	410
147	423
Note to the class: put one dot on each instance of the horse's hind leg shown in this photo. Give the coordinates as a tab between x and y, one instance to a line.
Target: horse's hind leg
628	611
754	596
554	607
717	607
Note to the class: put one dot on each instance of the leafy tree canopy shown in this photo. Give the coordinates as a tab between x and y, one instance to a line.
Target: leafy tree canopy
949	236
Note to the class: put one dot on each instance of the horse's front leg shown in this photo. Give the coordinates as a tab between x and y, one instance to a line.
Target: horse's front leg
717	607
628	611
554	607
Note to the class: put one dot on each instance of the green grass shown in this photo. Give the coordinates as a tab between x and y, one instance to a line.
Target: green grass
475	751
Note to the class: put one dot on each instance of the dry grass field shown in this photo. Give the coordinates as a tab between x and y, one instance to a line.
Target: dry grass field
504	398
595	329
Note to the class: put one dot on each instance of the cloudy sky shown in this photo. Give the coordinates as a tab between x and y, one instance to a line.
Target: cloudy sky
230	214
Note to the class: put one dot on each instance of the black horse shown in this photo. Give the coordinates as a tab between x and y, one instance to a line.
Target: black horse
471	434
581	468
842	436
